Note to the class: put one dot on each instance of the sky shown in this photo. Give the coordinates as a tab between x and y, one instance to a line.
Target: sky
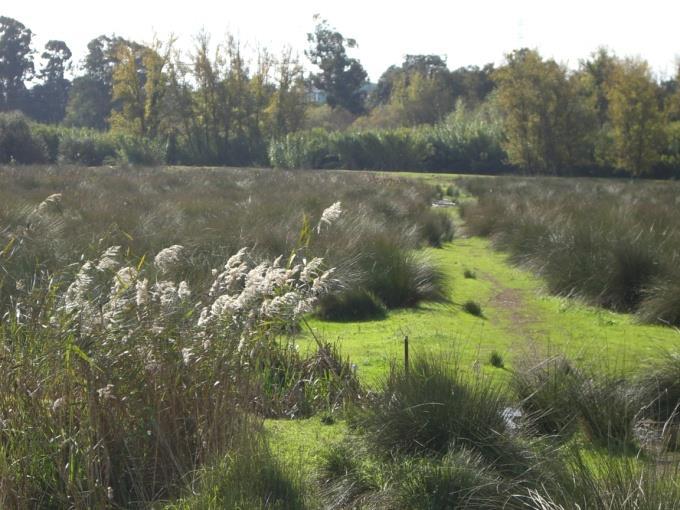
466	32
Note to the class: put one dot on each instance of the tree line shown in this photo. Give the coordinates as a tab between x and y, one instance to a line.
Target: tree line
222	104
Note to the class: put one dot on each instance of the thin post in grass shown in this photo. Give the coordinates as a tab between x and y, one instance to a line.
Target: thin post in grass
406	354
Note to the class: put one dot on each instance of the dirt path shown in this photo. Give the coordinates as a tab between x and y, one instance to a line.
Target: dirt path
519	318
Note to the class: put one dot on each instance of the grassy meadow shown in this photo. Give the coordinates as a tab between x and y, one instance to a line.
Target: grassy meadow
233	338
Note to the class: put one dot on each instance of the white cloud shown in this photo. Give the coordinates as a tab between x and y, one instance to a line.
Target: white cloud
467	32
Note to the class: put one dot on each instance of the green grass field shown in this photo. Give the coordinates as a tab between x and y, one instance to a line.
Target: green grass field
519	319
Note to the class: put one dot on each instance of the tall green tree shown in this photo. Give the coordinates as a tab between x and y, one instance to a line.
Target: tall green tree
425	65
287	106
636	119
90	99
341	77
16	63
420	98
48	99
547	123
672	98
598	71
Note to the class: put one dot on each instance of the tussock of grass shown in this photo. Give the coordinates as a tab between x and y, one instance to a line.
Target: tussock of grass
473	308
496	359
545	392
469	274
352	305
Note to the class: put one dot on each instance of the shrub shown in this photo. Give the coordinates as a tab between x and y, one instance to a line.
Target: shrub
17	142
473	308
496	359
87	148
139	151
50	137
452	191
461	143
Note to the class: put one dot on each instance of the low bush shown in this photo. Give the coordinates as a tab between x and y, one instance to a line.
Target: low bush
473	308
464	142
18	144
496	360
88	148
134	150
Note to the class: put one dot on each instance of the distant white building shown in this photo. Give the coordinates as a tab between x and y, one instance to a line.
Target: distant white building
316	96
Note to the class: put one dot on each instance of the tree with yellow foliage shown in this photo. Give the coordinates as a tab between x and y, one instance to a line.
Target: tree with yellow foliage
139	85
547	122
636	119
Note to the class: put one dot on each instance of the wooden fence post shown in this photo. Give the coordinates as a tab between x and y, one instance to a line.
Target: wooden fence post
406	354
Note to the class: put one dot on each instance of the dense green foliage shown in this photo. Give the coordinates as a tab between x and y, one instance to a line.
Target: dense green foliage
223	105
468	141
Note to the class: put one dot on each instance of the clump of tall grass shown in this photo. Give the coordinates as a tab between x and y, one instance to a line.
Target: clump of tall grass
612	243
496	359
438	228
116	387
607	483
559	399
545	392
608	408
353	477
294	385
401	278
434	407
